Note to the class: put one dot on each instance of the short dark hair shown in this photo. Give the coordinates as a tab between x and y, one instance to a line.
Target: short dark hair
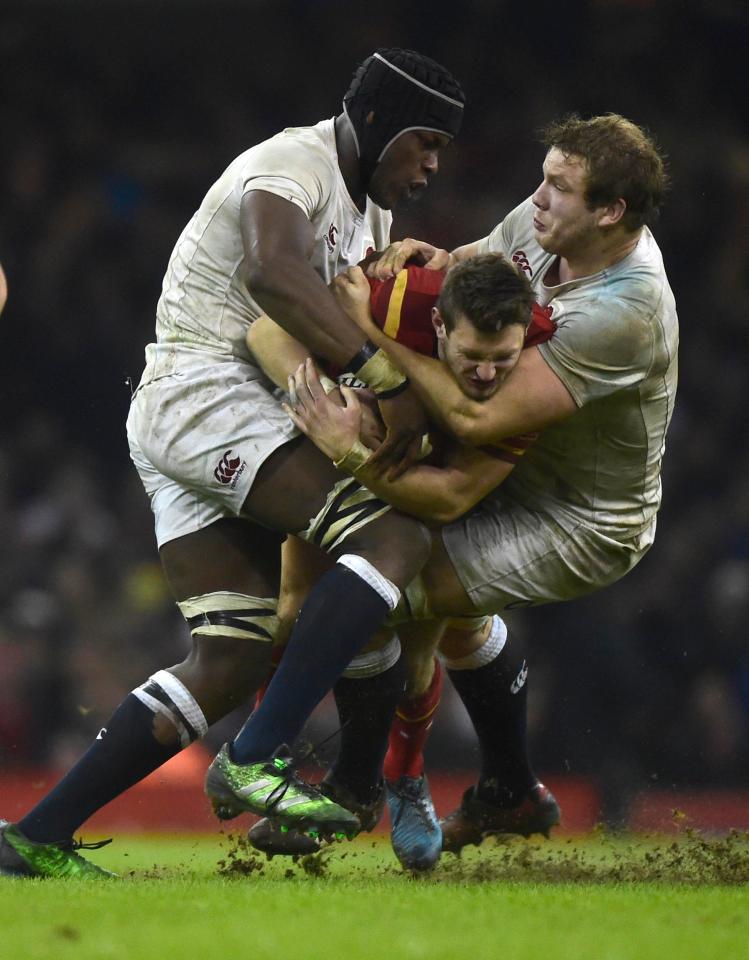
488	291
622	162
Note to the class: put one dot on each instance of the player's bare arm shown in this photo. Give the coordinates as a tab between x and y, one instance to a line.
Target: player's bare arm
531	398
464	252
277	352
279	355
438	494
278	241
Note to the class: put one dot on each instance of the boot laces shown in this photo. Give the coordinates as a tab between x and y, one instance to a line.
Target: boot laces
80	845
290	776
413	796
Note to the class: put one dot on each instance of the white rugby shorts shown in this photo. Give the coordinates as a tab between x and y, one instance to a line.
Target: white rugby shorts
198	438
507	556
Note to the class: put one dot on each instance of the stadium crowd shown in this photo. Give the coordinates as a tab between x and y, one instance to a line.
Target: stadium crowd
107	150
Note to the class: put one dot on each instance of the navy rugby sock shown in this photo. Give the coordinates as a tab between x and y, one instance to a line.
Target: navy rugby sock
124	752
338	618
366	708
496	698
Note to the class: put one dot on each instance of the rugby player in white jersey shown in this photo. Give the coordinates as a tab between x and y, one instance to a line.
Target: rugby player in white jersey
229	476
579	511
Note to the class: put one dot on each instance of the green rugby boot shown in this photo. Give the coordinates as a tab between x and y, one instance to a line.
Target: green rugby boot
270	788
20	857
273	839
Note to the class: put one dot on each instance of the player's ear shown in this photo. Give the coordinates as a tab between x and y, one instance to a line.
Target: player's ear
612	213
370	118
439	324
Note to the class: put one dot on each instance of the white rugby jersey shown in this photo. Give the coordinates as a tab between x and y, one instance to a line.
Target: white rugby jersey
615	349
205	306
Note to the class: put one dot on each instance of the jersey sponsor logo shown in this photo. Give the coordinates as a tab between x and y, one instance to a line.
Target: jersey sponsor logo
101	733
520	258
229	469
519	682
330	237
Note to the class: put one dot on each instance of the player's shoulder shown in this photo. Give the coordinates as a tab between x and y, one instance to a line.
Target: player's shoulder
639	283
517	224
303	147
514	237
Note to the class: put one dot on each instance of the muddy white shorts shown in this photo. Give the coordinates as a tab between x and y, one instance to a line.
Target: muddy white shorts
507	556
198	438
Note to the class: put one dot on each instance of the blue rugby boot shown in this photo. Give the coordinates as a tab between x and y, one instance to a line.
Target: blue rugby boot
416	834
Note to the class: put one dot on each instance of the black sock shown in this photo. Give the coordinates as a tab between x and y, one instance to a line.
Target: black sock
338	618
495	696
366	707
126	752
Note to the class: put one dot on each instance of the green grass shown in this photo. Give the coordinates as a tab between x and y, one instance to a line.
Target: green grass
205	897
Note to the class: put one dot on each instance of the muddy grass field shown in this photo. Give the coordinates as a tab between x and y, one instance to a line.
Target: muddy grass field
591	898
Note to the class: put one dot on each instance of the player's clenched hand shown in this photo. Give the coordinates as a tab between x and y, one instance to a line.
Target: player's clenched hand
352	292
406	422
395	257
331	427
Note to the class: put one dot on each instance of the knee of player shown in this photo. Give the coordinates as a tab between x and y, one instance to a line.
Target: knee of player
289	606
397	546
420	542
463	636
381	640
232	635
228	663
382	653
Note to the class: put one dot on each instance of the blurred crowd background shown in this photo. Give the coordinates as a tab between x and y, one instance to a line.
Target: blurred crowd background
116	117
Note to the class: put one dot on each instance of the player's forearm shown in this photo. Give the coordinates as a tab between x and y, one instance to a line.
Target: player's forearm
277	352
279	242
423	491
436	387
529	400
464	252
290	291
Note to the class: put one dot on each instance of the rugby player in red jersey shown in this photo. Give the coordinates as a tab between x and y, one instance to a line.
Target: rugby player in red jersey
477	330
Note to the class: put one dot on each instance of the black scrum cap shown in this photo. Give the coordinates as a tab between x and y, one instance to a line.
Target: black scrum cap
405	91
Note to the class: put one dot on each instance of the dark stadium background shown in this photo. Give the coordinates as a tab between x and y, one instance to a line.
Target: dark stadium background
115	118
